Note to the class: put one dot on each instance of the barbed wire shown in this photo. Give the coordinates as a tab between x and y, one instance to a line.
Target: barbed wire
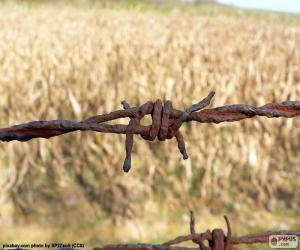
216	239
166	121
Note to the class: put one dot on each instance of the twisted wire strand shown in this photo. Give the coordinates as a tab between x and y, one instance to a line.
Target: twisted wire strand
166	121
216	239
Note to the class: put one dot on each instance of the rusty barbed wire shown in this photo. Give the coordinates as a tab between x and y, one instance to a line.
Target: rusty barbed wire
216	239
166	121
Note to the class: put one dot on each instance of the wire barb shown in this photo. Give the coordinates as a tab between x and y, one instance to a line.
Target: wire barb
229	232
166	122
192	222
216	240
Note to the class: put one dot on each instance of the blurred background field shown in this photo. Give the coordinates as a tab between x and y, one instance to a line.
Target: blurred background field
75	59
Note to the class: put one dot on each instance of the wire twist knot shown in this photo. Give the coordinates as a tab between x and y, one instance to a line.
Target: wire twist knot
163	126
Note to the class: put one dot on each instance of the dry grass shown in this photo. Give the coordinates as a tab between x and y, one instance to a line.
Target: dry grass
72	63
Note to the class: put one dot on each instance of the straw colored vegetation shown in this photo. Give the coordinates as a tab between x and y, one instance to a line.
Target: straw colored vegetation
71	63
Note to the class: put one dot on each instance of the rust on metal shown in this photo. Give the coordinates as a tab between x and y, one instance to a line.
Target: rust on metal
166	121
209	240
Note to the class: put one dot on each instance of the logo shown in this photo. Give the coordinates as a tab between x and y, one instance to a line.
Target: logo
283	241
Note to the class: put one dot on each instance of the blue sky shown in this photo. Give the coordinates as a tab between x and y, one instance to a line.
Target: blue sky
292	6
